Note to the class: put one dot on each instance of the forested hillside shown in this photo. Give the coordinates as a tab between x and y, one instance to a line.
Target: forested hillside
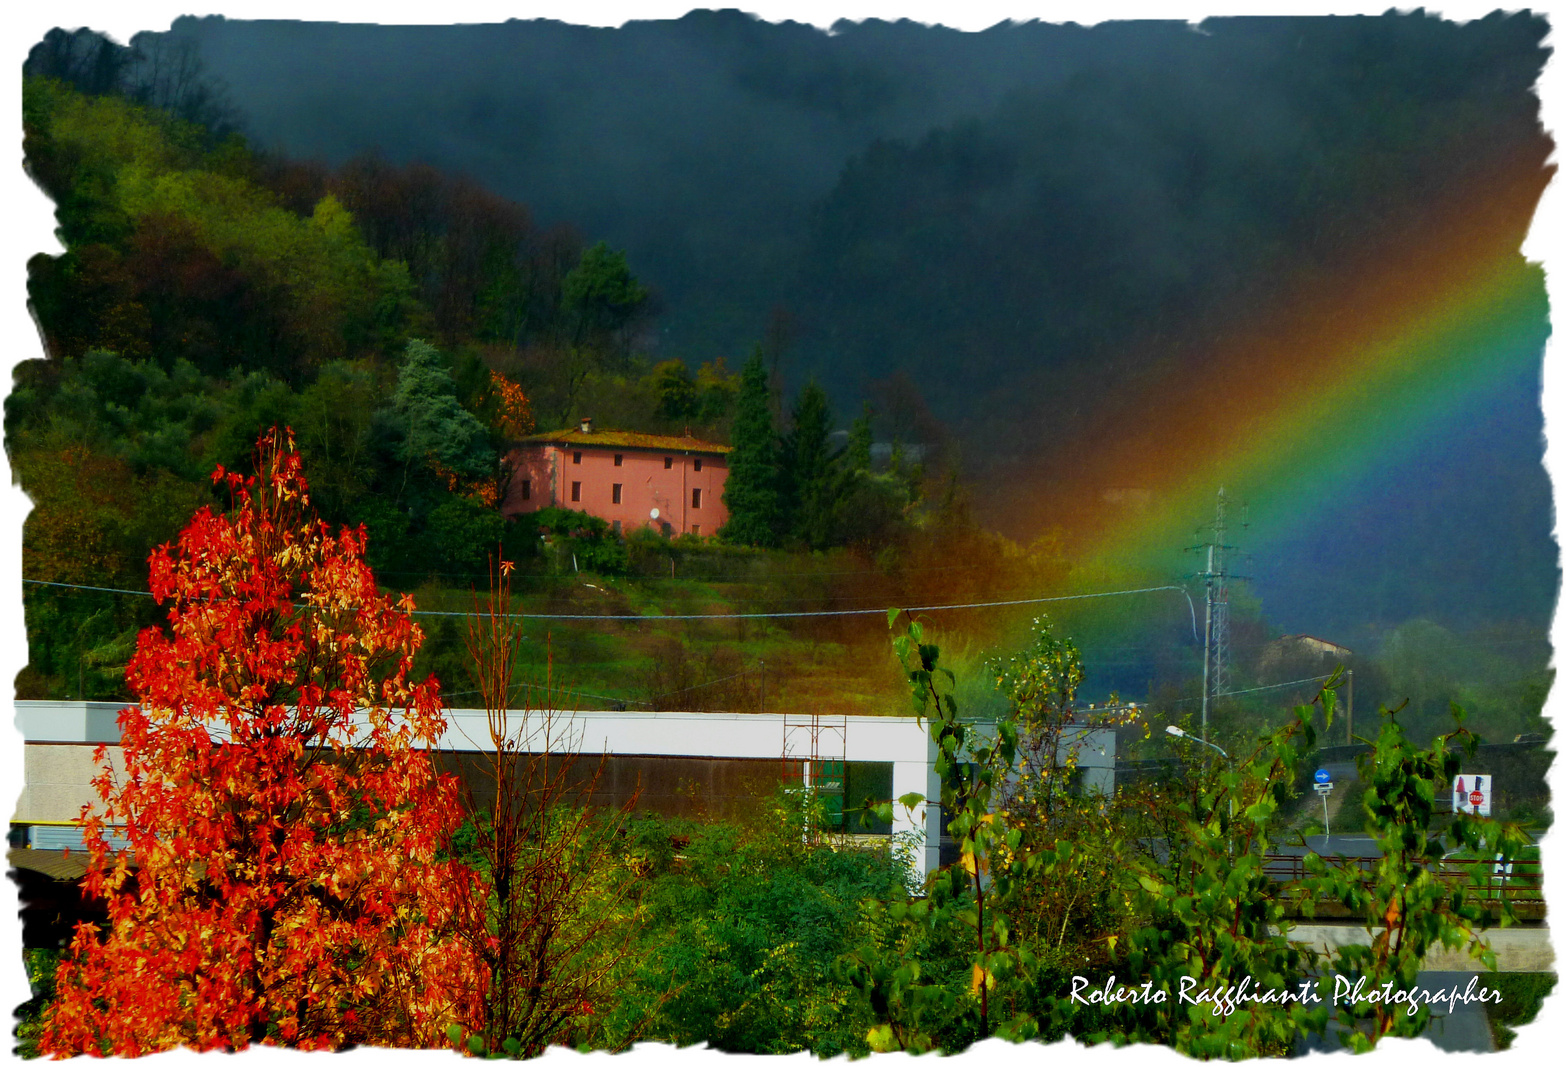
407	325
1035	234
1031	226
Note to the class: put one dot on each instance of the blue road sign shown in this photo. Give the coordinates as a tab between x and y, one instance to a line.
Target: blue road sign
1323	776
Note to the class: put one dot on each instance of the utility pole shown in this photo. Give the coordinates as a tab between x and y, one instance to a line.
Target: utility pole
1350	732
1215	641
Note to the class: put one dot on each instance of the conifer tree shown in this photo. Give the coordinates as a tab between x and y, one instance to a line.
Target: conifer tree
859	441
813	474
751	493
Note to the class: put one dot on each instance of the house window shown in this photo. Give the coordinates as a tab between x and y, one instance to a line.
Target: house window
576	457
619	459
576	491
615	525
695	498
615	495
668	463
527	490
698	464
695	530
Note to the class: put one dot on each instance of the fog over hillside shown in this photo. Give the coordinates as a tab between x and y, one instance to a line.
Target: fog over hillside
1029	223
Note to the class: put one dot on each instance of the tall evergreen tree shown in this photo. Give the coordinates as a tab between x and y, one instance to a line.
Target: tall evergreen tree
859	441
815	481
751	493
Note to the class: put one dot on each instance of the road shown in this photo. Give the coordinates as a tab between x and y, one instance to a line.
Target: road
1353	844
1462	1026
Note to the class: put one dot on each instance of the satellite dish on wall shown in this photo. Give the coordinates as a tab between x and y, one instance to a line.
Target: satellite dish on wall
655	513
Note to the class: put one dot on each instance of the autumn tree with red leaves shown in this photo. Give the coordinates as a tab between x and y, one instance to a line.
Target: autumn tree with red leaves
286	880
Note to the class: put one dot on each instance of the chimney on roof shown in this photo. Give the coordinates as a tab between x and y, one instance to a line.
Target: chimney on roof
587	425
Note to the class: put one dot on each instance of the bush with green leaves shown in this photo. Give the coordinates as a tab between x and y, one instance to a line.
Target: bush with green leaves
1407	907
559	534
746	920
1206	916
919	1006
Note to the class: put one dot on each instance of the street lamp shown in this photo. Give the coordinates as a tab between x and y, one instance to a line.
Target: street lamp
1181	733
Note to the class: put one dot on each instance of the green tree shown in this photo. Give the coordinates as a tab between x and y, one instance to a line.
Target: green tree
602	298
333	422
860	439
915	1009
751	493
743	934
716	391
1408	909
1205	916
676	390
814	480
434	428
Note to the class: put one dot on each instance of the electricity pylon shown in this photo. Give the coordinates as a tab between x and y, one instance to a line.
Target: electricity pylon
1215	641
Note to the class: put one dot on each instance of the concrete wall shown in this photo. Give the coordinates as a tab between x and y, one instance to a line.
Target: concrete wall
58	781
1517	948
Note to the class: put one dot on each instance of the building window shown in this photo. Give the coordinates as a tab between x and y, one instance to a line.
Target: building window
527	490
576	491
698	464
576	457
619	459
695	530
668	463
695	498
615	525
615	495
864	783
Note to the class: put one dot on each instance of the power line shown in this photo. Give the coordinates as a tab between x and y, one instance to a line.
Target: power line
819	614
93	588
1258	689
736	615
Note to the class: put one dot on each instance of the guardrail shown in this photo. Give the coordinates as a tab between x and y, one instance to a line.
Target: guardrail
1520	879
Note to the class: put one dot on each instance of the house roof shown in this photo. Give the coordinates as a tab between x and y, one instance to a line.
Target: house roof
631	440
1318	640
59	865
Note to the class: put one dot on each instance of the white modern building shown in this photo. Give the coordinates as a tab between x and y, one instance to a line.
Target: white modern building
666	757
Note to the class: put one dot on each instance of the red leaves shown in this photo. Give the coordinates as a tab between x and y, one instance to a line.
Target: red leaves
284	824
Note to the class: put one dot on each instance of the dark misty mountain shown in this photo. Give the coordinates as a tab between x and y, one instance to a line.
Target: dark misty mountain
1023	220
700	145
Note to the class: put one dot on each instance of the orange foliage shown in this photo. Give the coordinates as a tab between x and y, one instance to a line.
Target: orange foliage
514	411
485	492
285	882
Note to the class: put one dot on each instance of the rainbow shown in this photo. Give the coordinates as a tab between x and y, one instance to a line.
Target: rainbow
1304	411
1311	403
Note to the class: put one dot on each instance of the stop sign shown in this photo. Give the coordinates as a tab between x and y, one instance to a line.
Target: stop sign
1476	798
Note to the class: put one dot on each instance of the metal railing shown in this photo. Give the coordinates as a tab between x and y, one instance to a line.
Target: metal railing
1519	879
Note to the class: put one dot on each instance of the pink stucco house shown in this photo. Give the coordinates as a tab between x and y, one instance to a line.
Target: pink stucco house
672	482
